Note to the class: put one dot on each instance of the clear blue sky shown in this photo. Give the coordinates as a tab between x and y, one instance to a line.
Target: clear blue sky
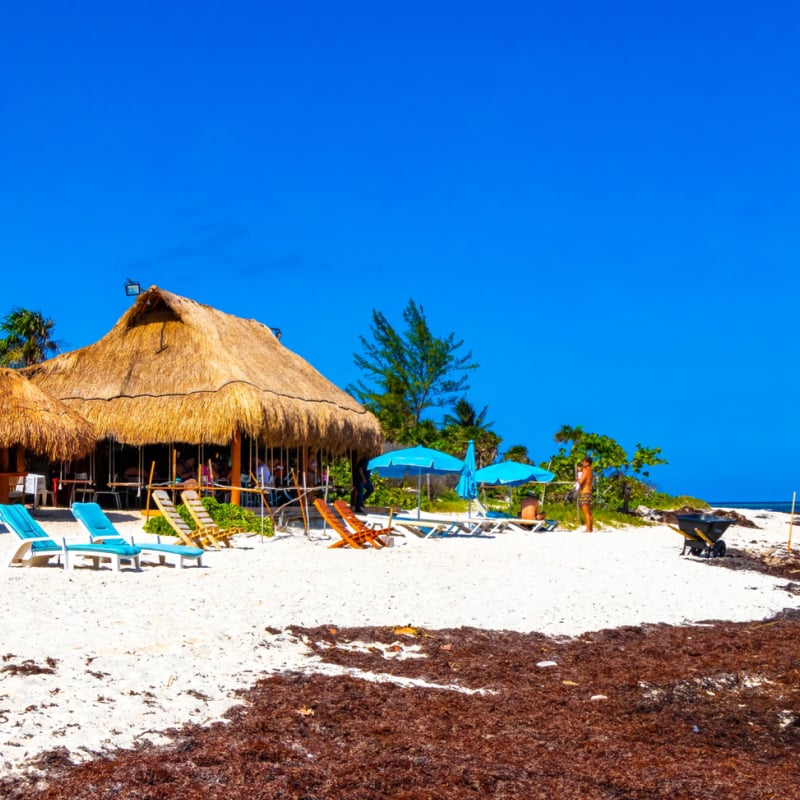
601	199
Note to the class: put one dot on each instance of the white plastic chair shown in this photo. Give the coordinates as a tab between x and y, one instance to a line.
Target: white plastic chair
36	485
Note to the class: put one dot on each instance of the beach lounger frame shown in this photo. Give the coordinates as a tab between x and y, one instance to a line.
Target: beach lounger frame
37	547
356	524
358	540
189	537
102	531
205	524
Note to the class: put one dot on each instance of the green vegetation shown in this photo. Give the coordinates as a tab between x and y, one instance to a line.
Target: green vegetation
226	515
667	502
407	374
620	480
27	340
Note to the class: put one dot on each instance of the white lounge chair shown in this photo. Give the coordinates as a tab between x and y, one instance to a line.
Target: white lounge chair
37	547
102	530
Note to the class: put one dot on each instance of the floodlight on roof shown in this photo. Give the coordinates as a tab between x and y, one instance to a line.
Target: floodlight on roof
132	288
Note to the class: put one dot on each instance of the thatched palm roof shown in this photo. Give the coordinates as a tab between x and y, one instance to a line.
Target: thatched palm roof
40	423
173	370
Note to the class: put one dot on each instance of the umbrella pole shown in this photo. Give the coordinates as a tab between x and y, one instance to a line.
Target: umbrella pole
544	489
300	502
791	522
419	492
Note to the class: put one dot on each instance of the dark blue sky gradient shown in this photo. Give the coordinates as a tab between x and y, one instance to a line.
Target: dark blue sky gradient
600	199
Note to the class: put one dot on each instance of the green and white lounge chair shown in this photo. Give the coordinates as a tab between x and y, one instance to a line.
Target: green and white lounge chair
102	530
37	547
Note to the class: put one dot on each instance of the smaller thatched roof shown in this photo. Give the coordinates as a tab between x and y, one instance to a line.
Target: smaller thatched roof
41	424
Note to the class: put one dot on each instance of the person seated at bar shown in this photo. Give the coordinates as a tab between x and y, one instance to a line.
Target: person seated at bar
187	470
133	474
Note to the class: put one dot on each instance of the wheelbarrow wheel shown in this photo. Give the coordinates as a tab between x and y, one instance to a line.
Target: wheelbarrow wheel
719	549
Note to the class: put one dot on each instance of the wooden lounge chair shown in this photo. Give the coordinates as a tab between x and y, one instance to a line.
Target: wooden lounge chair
359	526
36	547
205	524
358	540
185	534
101	530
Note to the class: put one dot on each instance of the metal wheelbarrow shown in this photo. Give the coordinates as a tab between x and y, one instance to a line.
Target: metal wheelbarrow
702	533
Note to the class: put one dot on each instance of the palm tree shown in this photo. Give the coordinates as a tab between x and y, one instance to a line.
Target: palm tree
566	434
27	338
517	452
465	424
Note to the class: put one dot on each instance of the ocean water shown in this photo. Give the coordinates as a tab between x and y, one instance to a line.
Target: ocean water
758	505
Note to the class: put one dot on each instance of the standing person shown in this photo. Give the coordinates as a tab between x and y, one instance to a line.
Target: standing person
585	491
263	474
264	478
362	484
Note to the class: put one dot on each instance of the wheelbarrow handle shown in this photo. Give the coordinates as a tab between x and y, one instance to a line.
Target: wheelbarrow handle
705	538
690	537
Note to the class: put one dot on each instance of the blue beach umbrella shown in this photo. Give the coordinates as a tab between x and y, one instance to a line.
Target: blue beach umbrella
467	486
512	473
417	461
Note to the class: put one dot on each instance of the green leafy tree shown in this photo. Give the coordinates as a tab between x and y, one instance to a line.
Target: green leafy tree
646	457
619	478
410	372
28	338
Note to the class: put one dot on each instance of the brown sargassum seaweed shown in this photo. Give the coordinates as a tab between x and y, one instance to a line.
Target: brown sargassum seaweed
655	711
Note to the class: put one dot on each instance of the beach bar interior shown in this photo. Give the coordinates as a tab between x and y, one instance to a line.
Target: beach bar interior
176	380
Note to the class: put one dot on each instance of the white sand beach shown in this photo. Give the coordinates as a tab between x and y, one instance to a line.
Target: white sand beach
133	654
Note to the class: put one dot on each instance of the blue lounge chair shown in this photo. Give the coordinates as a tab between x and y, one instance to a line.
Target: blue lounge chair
36	547
102	530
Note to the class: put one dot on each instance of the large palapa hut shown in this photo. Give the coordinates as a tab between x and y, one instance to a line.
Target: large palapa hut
174	370
33	421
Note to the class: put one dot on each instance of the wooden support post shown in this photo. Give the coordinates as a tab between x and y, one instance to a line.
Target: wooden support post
236	467
4	478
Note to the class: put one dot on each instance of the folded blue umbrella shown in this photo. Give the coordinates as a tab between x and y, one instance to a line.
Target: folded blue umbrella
467	487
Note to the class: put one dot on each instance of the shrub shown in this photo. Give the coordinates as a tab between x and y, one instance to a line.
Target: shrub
226	515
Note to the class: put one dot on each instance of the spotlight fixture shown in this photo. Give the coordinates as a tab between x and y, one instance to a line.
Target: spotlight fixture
132	288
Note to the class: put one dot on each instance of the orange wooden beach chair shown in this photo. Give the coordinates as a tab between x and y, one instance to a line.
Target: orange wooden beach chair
358	540
358	525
